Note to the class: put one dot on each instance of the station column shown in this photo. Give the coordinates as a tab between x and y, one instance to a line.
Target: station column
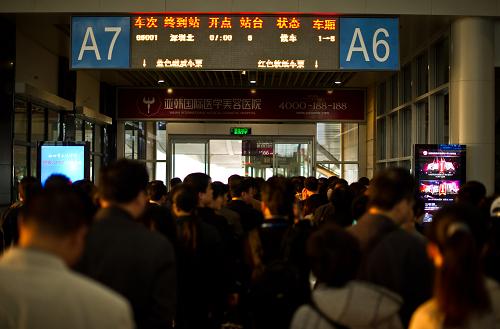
472	95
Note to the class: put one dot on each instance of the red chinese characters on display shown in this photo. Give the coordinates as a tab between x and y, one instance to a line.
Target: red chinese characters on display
169	22
147	22
257	23
213	22
151	22
226	23
287	23
140	22
249	23
326	24
181	22
218	23
194	22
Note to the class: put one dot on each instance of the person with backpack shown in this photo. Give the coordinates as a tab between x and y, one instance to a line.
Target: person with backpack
338	300
392	257
278	290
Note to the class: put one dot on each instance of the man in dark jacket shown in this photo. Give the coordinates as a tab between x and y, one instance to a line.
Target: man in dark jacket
392	257
157	217
124	255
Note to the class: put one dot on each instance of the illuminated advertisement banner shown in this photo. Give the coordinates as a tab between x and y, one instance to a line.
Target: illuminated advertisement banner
242	105
440	172
235	42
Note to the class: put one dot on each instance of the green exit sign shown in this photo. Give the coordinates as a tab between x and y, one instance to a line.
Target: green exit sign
240	131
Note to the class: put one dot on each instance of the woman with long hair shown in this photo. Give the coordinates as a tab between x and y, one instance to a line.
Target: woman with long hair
198	262
463	297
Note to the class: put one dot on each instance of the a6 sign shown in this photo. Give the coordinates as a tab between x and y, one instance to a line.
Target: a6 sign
369	44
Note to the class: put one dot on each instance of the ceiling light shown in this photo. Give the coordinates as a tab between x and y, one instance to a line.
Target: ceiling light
253	91
243	72
170	90
161	81
338	82
329	91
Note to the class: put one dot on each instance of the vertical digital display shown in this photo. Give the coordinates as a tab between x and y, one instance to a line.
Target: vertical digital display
440	172
67	160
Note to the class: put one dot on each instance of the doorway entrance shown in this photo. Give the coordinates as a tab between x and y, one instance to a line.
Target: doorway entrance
220	157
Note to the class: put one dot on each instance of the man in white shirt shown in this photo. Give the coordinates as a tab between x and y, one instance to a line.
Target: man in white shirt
37	289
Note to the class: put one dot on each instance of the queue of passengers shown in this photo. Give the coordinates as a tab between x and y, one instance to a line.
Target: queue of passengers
299	253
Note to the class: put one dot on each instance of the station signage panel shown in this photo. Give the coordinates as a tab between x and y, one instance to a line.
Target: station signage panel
369	44
227	42
235	42
242	105
100	42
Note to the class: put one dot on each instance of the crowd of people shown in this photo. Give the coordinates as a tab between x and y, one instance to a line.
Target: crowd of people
299	253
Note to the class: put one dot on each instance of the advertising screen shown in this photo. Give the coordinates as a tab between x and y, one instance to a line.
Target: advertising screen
68	159
440	172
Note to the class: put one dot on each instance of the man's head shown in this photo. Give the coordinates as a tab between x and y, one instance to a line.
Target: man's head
240	187
393	192
219	195
184	200
364	180
278	197
28	187
55	221
157	191
472	193
311	184
123	184
200	183
174	182
334	254
57	182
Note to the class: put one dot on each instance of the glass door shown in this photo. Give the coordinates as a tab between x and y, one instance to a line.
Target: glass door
225	159
293	158
259	157
253	157
189	157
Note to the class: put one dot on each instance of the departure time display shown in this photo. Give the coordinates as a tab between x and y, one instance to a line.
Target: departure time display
229	42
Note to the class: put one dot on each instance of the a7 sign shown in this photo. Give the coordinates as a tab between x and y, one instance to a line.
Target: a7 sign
100	42
369	44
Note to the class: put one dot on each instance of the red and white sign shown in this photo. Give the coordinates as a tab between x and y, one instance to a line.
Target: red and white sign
242	105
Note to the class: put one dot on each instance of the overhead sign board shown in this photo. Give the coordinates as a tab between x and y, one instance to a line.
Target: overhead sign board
220	42
100	42
241	105
369	44
235	42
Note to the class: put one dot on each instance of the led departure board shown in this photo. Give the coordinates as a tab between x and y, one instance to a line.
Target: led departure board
229	42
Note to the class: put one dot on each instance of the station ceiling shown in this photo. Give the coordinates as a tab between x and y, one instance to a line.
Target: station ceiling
415	33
